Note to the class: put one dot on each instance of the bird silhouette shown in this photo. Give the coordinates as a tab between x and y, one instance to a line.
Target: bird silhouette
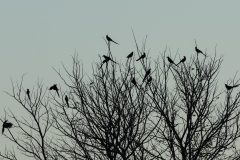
28	94
199	51
130	55
182	60
108	58
147	73
54	87
110	39
170	60
66	99
231	87
6	125
149	80
134	81
142	56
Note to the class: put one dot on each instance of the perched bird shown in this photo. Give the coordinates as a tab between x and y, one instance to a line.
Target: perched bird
6	125
147	73
199	51
54	87
134	81
231	87
130	55
108	58
170	60
182	60
28	94
142	56
110	39
149	80
66	99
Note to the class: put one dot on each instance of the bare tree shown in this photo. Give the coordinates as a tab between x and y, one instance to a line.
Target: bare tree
176	113
195	124
108	117
29	133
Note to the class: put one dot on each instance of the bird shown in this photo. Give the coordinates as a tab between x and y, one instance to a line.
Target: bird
130	55
54	87
182	60
147	73
199	51
149	80
6	125
134	81
66	99
28	94
142	56
231	87
108	58
110	39
170	60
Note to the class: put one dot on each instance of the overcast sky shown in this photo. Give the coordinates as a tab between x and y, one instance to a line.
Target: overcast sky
38	35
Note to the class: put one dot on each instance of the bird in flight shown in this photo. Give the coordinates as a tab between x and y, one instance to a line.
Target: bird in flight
108	59
28	94
54	87
231	87
130	55
199	51
6	125
66	99
110	39
134	81
182	60
170	60
147	73
142	56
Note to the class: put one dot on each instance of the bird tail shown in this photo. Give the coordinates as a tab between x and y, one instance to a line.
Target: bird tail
113	61
67	104
58	94
236	86
115	42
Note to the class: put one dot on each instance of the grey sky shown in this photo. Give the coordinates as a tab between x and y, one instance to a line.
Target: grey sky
36	35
